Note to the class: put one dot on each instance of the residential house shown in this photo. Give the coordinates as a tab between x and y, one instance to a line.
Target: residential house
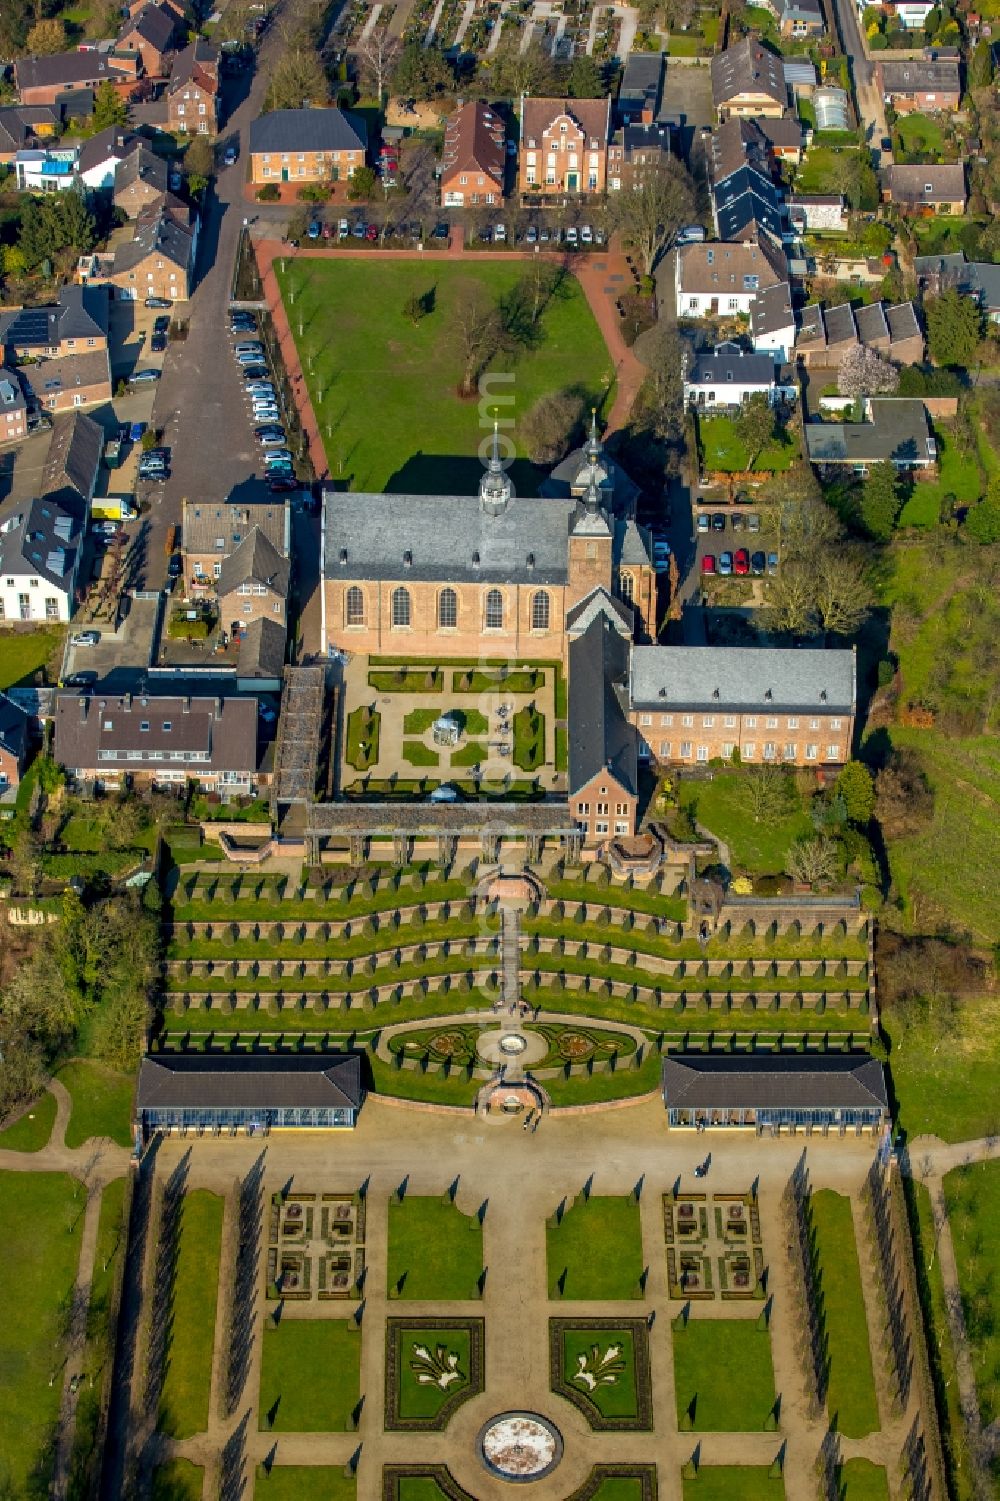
160	740
22	127
635	150
563	146
306	145
261	659
983	283
783	136
67	347
809	212
213	532
472	163
151	33
923	84
936	273
13	747
193	95
895	430
826	334
723	281
13	408
748	79
748	206
159	259
797	18
140	183
46	80
696	704
772	322
46	169
925	190
182	12
727	376
253	584
640	92
101	155
603	775
41	544
910	15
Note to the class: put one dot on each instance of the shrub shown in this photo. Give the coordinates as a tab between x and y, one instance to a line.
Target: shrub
269	193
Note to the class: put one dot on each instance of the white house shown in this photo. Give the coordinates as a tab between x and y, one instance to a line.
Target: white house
41	171
772	323
728	376
910	14
723	280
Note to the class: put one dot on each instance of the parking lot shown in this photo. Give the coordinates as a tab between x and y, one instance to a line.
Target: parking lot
120	654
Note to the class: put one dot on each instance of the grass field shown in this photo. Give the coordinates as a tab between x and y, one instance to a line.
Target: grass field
919	133
303	1483
184	1400
958	476
942	1352
723	450
435	1251
177	1480
596	1249
613	1399
850	1399
944	1080
733	1483
102	1102
23	653
819	172
860	1480
42	1218
310	1376
361	355
32	1131
723	1375
759	848
972	1196
109	1253
425	1399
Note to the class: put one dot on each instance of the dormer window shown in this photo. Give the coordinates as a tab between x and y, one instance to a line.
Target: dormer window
768	696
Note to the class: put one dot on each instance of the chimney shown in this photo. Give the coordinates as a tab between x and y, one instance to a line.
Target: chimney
186	706
127	703
83	708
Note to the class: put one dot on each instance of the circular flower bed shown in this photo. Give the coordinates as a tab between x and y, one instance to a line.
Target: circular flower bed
520	1446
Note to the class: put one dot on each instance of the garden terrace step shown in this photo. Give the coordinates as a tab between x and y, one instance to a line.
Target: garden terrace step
317	1000
277	927
275	968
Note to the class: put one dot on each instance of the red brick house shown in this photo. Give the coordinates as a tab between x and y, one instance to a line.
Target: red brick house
923	85
192	95
564	147
472	164
152	34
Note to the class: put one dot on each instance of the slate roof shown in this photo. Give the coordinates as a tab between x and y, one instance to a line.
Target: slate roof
268	1081
256	560
593	604
474	142
641	86
747	200
154	24
718	269
308	130
737	143
158	231
145	166
446	537
73	457
80	313
198	62
730	1080
113	143
66	371
13	728
729	364
772	311
742	679
920	75
64	69
783	134
747	68
907	185
11	394
220	526
600	735
223	728
631	545
953	265
593	116
899	430
45	543
18	121
262	649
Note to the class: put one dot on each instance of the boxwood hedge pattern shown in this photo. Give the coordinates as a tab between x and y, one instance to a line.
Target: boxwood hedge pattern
641	1421
394	1476
398	1332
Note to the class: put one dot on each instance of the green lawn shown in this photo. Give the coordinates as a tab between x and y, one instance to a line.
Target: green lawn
758	848
617	1398
723	450
310	1379
362	738
425	1399
23	653
304	1483
944	1076
723	1375
362	355
435	1251
860	1480
851	1399
529	738
185	1395
919	133
177	1480
941	1350
419	754
733	1483
109	1253
42	1218
819	171
972	1196
595	1251
102	1102
33	1130
959	475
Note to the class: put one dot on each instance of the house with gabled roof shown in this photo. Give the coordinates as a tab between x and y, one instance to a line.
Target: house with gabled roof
563	147
938	189
748	79
253	584
724	280
603	776
47	79
193	94
159	259
473	158
152	33
306	145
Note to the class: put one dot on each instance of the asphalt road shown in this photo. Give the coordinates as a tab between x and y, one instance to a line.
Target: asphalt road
868	99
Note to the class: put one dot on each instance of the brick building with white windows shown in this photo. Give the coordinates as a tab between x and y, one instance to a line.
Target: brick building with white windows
563	147
693	705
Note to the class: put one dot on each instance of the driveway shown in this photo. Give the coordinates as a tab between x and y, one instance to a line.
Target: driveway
867	98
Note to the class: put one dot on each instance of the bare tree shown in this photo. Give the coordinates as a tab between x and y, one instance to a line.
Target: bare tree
754	424
765	790
812	861
843	589
863	372
378	54
790	600
297	79
477	330
549	427
649	213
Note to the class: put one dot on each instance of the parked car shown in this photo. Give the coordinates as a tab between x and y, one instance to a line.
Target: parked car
81	680
741	561
248	346
281	484
441	231
753	522
343	230
279	456
486	234
273	438
708	563
143	377
371	232
85	638
586	234
691	234
758	563
328	231
719	522
161	325
175	566
531	234
703	522
772	563
136	431
598	236
158	343
738	521
255	372
544	235
358	229
250	358
572	235
314	230
266	414
232	152
500	233
158	302
726	564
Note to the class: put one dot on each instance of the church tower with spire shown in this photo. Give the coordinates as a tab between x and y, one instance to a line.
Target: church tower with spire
590	545
495	488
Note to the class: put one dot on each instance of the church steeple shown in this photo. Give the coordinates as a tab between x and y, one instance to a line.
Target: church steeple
593	449
593	471
495	488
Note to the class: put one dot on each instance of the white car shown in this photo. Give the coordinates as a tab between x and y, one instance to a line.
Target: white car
500	233
343	230
85	638
586	234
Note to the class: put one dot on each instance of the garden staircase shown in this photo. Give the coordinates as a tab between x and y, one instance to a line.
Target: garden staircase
511	955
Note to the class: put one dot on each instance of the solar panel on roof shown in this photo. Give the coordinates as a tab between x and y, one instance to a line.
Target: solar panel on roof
31	326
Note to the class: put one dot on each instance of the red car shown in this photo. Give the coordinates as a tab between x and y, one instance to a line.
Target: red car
741	561
708	563
371	233
328	231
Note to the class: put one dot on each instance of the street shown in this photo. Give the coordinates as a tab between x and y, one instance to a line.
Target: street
867	98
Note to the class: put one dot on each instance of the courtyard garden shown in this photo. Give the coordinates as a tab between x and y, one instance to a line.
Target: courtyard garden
24	654
733	1483
435	1251
758	846
723	1375
42	1216
361	353
850	1399
310	1378
602	1367
576	1229
187	1380
722	450
917	136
